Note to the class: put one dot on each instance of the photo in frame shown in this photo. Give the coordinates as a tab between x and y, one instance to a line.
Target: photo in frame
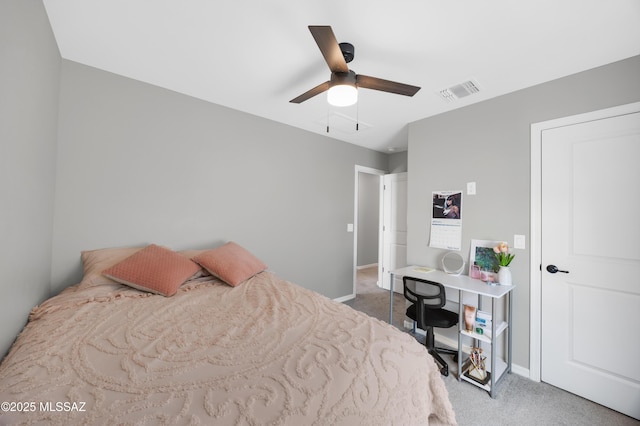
483	263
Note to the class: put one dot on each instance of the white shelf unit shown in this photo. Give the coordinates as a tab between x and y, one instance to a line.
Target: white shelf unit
497	366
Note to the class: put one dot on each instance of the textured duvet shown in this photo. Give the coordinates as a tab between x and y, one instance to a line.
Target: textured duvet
265	352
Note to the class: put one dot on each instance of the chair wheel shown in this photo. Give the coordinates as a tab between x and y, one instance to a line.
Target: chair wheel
444	371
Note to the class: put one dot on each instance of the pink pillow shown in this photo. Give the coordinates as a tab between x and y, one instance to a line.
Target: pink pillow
155	269
231	263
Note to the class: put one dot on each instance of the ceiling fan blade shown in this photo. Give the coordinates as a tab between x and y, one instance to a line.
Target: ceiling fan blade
311	93
326	40
385	85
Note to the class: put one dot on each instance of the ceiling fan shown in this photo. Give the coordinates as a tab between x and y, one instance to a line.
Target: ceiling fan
344	83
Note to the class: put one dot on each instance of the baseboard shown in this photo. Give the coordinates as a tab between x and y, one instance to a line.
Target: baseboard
451	343
345	298
520	370
366	266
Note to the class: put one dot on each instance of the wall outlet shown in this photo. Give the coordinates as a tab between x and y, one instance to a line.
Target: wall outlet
349	227
471	188
519	242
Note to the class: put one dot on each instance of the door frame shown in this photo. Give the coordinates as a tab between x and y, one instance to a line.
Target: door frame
371	171
535	278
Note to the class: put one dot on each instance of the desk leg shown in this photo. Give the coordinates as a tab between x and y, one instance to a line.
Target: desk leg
391	298
493	347
460	322
509	332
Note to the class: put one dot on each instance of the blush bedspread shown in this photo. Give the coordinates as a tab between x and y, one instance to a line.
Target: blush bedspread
265	352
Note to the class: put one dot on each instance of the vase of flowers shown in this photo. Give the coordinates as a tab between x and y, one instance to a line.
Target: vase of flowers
504	260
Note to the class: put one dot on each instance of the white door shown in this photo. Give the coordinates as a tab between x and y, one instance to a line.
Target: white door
591	229
394	231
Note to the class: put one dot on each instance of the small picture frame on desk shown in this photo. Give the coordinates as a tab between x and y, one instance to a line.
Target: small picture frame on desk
482	260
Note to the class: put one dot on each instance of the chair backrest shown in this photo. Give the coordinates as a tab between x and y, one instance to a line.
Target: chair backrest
431	294
425	295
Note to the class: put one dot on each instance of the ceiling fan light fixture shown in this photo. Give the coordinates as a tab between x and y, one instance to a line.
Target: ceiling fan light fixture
342	89
342	95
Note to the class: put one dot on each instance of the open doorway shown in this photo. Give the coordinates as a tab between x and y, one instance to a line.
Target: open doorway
367	214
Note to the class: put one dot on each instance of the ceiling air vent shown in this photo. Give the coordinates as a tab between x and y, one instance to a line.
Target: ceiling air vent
459	91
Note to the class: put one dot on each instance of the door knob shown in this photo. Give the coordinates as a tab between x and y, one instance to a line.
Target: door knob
553	269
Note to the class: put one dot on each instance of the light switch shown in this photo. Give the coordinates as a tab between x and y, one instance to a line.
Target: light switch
349	227
519	242
471	188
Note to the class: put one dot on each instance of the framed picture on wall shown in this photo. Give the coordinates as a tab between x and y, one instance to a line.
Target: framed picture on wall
483	263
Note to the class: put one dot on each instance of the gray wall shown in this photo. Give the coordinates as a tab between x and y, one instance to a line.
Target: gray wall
398	162
368	218
138	164
489	143
29	76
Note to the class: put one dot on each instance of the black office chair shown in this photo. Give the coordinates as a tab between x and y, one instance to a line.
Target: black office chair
426	310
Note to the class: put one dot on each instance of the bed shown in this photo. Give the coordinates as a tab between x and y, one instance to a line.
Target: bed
260	351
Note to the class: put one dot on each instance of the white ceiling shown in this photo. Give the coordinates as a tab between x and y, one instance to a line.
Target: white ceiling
256	55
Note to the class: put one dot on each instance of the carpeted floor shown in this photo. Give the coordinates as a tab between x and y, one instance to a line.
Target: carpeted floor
519	400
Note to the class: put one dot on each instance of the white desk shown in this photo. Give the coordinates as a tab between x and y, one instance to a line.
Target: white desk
463	283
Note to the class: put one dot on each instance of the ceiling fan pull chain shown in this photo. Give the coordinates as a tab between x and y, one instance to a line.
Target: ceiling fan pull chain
357	116
328	114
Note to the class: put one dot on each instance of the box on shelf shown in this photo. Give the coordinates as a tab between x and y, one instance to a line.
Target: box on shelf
483	322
